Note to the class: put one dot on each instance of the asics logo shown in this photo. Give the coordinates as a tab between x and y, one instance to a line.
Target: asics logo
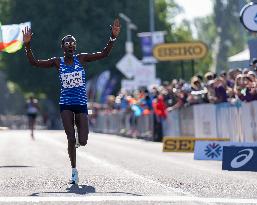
242	159
76	66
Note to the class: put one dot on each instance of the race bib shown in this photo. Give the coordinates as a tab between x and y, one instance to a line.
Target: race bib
71	80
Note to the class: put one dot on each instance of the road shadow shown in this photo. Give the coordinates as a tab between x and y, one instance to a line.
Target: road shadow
81	190
15	166
115	192
73	189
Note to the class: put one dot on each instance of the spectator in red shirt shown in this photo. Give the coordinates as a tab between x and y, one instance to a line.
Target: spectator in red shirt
160	114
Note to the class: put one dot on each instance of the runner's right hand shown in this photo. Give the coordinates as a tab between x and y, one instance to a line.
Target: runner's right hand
27	35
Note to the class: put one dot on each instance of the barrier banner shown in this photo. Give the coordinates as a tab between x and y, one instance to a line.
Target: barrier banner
239	158
236	122
171	125
205	121
249	121
228	121
184	144
187	121
213	150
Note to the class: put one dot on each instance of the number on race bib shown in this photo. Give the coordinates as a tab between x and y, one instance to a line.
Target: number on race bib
71	80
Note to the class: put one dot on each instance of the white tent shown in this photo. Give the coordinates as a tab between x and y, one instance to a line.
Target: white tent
240	60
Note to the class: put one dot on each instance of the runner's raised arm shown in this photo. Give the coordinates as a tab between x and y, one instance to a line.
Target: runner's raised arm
27	36
87	57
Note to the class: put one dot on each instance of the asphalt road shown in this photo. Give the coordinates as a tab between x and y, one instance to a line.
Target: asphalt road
113	170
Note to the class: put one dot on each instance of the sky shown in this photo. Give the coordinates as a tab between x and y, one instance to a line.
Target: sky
194	8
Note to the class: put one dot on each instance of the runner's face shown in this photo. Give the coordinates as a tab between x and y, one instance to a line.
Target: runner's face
69	46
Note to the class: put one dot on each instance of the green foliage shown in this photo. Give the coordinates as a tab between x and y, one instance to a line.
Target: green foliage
207	33
89	22
166	11
231	36
206	29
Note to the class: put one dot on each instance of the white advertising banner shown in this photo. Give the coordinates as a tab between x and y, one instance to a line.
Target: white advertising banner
213	150
186	117
145	75
228	121
171	127
128	85
205	121
249	121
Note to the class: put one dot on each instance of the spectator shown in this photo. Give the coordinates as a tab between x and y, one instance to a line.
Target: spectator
160	114
245	88
220	91
198	93
136	113
253	64
233	86
209	76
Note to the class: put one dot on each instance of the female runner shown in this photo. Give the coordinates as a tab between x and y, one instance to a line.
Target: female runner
72	75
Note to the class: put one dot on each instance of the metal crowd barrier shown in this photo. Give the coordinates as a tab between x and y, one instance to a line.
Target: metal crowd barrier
236	122
20	122
13	121
126	124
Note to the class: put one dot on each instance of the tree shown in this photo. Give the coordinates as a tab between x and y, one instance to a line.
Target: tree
206	32
167	11
89	22
229	38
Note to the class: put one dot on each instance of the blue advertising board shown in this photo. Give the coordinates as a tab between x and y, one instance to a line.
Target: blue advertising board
239	158
213	150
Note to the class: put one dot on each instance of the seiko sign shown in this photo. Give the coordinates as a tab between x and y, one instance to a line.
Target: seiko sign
248	16
180	51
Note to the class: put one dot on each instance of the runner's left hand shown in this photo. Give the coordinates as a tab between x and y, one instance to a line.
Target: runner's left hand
116	28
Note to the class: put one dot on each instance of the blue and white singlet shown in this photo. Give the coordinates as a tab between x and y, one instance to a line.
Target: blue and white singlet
73	83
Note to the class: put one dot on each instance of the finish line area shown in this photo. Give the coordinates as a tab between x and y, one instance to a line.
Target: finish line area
129	199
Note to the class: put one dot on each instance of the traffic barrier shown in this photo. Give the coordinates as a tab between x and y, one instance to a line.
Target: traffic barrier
236	122
171	126
205	121
248	121
18	122
126	124
187	121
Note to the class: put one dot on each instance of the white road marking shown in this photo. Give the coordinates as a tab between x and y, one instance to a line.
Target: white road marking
129	199
102	162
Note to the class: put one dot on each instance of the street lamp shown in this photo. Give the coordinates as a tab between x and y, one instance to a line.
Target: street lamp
130	26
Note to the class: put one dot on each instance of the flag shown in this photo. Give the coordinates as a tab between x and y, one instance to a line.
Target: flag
101	84
148	40
11	38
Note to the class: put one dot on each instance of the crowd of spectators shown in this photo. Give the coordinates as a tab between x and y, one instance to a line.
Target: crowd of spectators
234	86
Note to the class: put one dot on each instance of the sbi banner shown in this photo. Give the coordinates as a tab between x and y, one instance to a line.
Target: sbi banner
239	158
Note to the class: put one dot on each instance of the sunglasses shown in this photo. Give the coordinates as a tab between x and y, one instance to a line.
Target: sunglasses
72	43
